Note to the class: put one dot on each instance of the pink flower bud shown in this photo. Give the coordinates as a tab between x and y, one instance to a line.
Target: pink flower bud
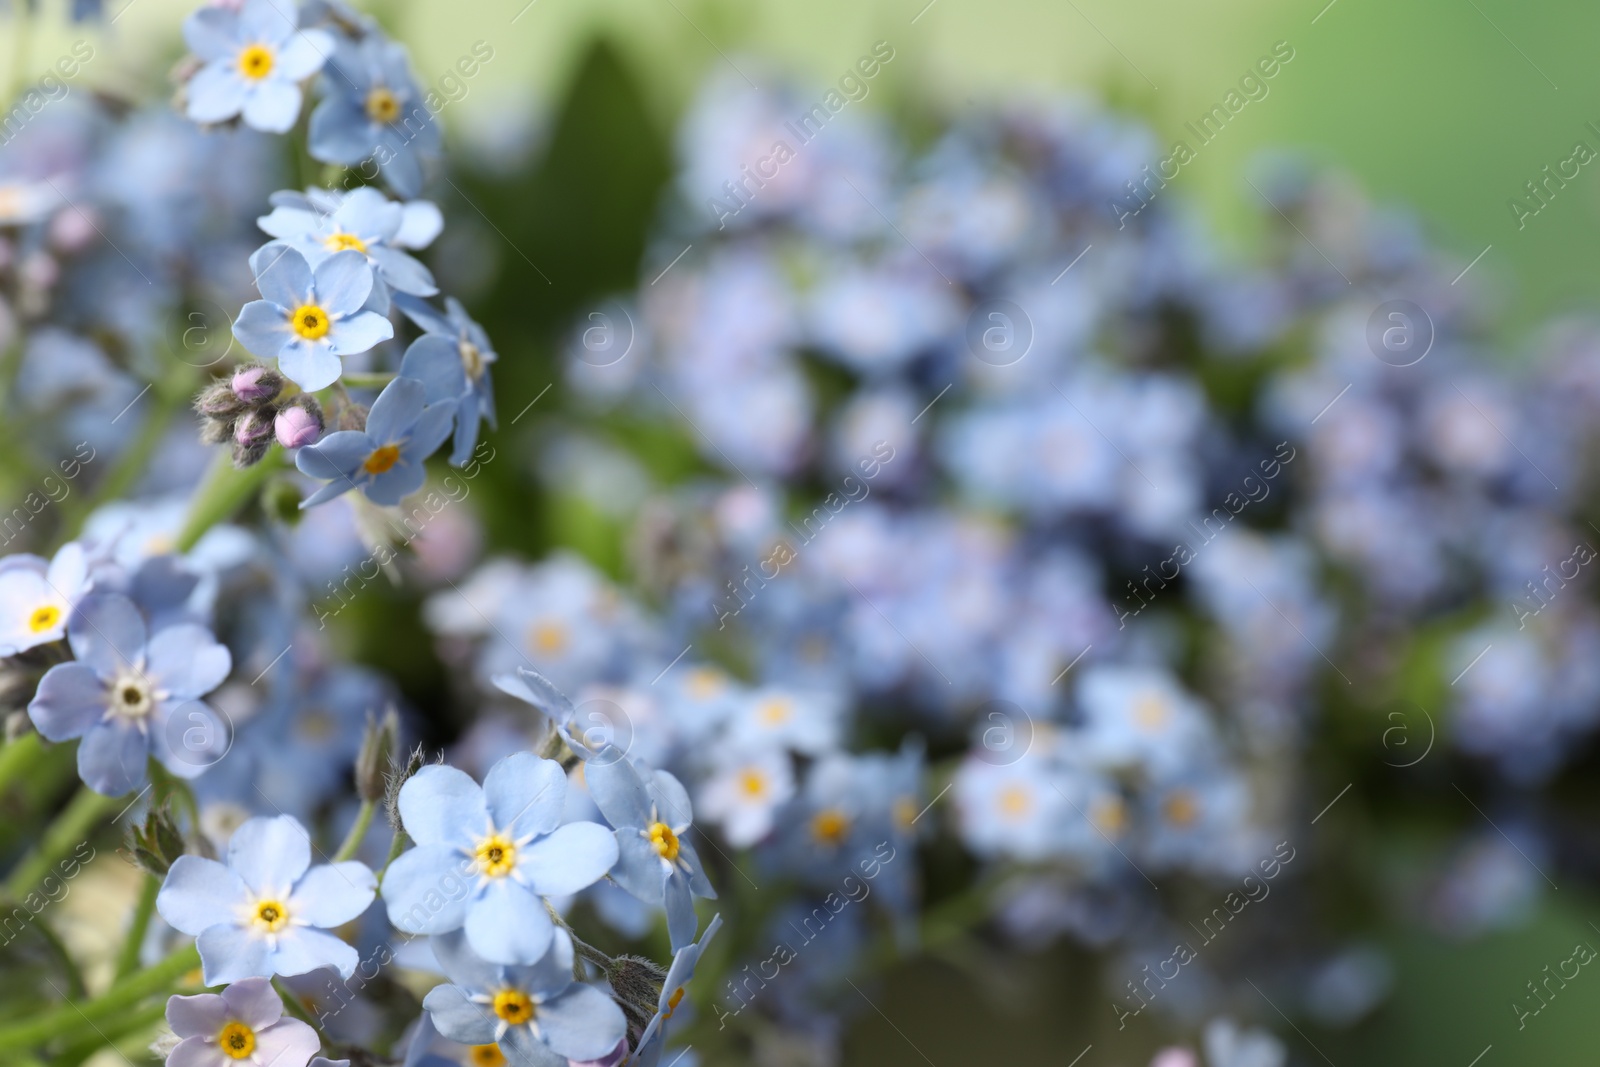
255	384
298	426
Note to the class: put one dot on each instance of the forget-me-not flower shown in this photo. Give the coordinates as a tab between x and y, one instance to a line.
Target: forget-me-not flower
243	1024
36	597
364	220
374	110
537	1014
452	358
266	911
384	461
309	318
650	817
682	970
130	695
487	855
255	59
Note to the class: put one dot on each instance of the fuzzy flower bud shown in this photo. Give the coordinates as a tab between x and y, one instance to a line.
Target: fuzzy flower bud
219	401
255	384
300	423
376	760
252	436
399	774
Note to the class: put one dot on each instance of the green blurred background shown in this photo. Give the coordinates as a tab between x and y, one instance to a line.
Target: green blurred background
1444	107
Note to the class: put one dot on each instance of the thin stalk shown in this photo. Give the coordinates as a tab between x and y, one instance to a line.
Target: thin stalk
128	958
70	1018
108	1033
396	846
71	828
358	832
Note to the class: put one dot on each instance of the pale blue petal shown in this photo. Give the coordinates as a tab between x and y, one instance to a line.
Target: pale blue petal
441	805
263	328
197	1016
522	1049
426	889
270	853
266	21
458	1018
618	792
359	332
420	223
199	893
113	758
432	427
337	455
436	363
229	953
699	884
396	410
187	661
672	801
212	33
508	924
303	55
403	272
340	131
217	92
332	894
311	366
681	921
395	484
301	949
638	869
525	794
572	857
272	106
106	632
189	737
343	281
463	966
253	1002
581	1023
289	221
284	277
71	698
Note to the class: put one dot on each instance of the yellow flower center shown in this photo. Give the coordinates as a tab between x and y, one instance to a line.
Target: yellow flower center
131	697
310	322
46	617
236	1040
705	683
753	782
1150	712
270	916
340	242
548	638
1110	816
513	1006
664	840
905	813
1180	807
830	826
382	105
1015	801
496	856
486	1056
255	61
382	459
672	1002
776	712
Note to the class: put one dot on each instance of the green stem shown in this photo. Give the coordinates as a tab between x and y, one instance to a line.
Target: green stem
70	830
358	832
223	492
128	958
70	1018
17	757
367	379
119	1026
396	845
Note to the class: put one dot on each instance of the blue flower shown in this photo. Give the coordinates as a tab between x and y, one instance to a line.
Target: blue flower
452	358
244	1022
131	695
385	460
36	597
264	912
374	110
654	863
323	222
254	61
535	1013
309	319
486	855
678	976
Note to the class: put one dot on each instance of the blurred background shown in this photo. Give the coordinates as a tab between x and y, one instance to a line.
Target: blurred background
1396	147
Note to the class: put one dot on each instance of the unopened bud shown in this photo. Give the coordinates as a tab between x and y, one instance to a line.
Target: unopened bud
637	983
252	436
255	384
399	774
218	401
300	423
156	843
375	761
